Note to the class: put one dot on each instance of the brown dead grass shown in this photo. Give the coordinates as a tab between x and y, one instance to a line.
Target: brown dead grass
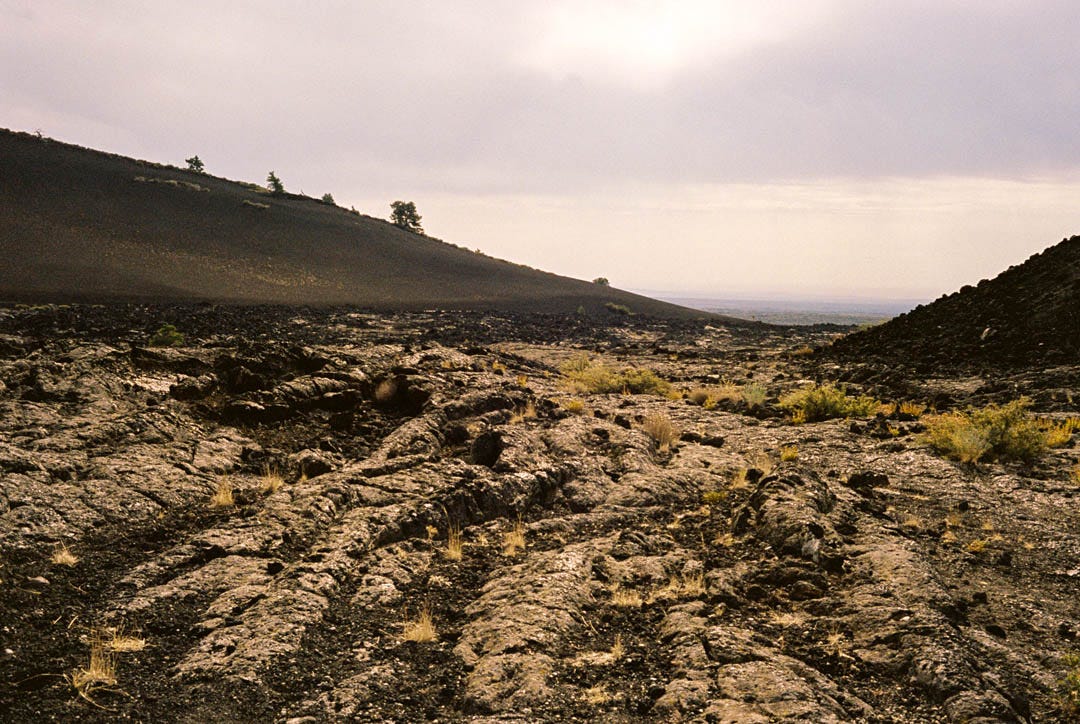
660	428
61	556
271	481
421	629
455	544
514	540
223	496
98	673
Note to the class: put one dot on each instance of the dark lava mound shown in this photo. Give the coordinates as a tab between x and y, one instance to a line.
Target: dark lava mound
1029	315
82	225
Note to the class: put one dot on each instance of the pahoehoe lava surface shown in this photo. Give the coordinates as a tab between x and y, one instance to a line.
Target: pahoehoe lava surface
655	584
83	225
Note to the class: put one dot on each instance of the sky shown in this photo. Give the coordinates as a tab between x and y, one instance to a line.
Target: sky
766	148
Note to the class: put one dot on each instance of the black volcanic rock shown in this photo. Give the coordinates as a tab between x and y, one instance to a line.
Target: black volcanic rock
1027	315
82	225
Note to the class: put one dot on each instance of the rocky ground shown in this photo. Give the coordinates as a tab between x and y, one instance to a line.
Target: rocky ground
602	575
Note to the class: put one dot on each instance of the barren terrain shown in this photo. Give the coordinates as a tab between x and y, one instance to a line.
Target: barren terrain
746	570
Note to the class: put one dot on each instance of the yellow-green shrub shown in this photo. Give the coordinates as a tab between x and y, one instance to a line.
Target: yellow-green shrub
584	375
1002	432
825	402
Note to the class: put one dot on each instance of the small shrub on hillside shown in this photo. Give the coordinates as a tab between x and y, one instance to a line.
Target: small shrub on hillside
585	376
328	199
826	402
274	184
1000	432
602	281
618	308
195	164
403	214
167	336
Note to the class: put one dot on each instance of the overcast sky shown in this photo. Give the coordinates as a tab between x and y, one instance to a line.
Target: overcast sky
798	148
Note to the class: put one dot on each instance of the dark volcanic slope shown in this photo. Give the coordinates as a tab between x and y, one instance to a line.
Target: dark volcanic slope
1029	314
84	225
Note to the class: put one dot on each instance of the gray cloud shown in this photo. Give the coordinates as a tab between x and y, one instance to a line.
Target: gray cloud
427	95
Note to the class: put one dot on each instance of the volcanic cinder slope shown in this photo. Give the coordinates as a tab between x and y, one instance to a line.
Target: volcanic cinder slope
77	224
1029	315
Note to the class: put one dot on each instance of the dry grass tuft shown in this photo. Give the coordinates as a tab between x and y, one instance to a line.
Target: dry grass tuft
789	453
911	523
725	539
708	397
678	587
122	641
596	696
617	648
99	672
223	496
788	619
700	396
713	497
528	412
574	406
61	556
522	381
978	545
271	480
659	427
514	540
739	481
455	544
422	629
602	658
625	597
836	644
910	409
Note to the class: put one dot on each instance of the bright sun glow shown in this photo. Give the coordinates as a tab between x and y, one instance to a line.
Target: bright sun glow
644	42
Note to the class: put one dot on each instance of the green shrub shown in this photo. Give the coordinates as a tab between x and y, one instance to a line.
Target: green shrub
274	184
403	214
1000	432
167	336
583	375
826	402
754	395
1069	687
